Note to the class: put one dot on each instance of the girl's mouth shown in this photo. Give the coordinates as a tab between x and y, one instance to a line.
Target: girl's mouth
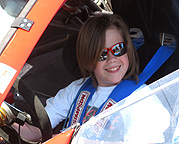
113	69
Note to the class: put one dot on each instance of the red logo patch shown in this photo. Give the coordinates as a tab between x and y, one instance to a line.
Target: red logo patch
108	104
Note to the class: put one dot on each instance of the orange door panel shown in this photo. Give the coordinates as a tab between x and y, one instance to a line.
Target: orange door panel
22	43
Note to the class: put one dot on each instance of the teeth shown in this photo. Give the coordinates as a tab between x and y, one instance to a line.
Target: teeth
113	69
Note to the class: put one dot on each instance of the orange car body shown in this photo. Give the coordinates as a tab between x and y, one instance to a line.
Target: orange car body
22	43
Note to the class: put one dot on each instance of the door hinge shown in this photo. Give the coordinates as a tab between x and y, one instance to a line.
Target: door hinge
23	23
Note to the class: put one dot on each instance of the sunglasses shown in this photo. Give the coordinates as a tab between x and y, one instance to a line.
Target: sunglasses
117	49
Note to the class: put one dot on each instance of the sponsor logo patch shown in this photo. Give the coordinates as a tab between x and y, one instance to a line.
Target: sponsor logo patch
79	106
108	104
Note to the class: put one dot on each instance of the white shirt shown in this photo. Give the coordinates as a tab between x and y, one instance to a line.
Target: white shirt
57	107
139	117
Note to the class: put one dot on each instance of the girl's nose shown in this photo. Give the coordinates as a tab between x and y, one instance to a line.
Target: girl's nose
111	57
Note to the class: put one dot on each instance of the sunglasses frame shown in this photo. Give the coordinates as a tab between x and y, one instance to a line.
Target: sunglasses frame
110	49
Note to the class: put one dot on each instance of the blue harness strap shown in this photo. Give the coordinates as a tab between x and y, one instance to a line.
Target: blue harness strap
126	87
86	87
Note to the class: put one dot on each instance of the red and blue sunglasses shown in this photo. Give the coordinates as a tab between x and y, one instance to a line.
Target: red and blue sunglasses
117	49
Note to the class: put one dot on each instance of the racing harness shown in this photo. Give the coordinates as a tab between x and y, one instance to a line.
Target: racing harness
121	91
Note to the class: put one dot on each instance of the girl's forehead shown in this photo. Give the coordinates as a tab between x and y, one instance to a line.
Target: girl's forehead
113	36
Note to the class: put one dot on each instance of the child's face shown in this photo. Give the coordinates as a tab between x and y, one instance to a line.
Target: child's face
111	71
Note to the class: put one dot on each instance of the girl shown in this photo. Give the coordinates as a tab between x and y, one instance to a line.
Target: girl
106	57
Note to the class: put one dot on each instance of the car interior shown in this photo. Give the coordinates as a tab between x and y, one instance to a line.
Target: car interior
52	65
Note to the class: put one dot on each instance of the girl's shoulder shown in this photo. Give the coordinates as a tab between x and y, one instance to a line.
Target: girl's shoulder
73	87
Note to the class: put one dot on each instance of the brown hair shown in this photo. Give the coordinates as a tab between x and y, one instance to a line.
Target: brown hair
91	41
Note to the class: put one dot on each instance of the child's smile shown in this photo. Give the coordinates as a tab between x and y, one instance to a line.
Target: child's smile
113	69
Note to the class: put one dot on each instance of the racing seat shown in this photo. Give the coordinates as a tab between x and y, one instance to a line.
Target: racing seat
153	18
69	59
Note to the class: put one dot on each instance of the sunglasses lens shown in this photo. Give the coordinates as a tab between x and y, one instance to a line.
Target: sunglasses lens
103	56
118	50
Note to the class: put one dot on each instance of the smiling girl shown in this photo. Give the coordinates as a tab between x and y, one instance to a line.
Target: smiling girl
106	57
